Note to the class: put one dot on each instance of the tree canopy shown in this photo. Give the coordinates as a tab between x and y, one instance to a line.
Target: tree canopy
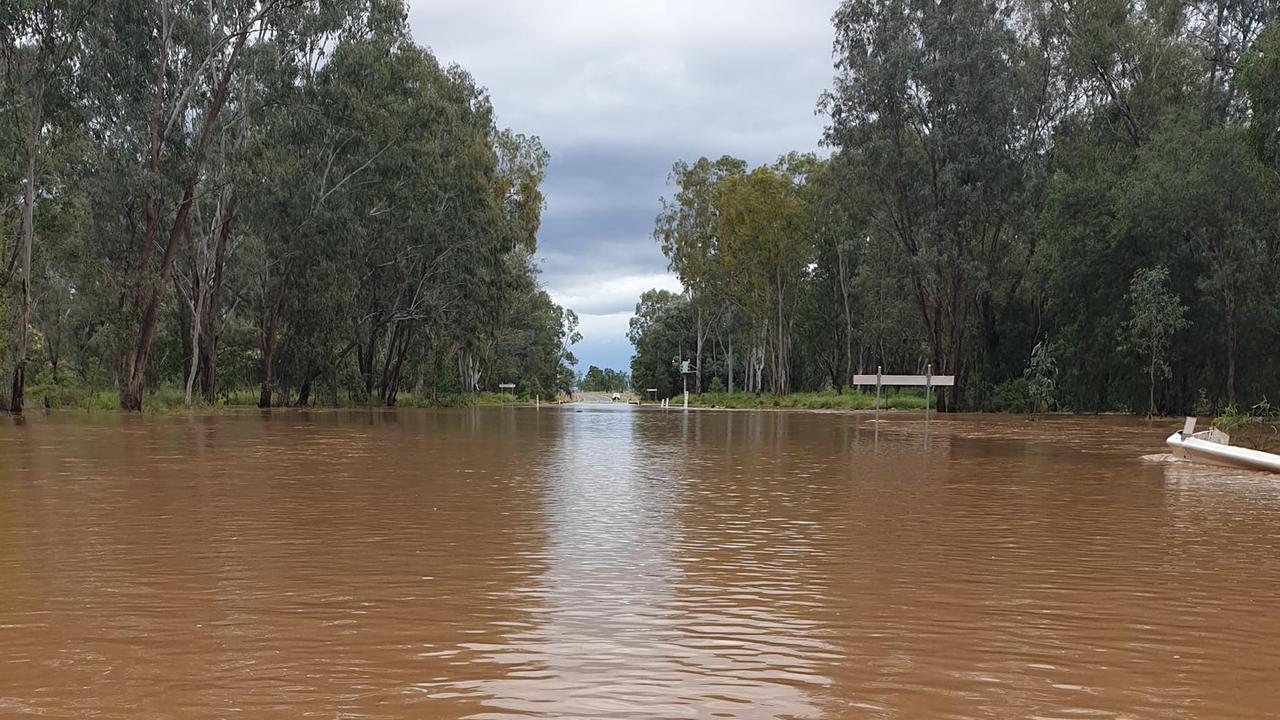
292	196
1003	177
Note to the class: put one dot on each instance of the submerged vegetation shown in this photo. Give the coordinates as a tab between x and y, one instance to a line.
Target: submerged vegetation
287	203
1068	205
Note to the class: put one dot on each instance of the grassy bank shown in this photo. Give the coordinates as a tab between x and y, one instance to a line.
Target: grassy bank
848	400
166	399
1257	428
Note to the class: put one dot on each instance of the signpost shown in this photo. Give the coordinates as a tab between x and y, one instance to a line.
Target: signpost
929	381
684	376
509	387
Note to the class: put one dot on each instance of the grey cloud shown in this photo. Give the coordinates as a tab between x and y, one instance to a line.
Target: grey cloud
618	91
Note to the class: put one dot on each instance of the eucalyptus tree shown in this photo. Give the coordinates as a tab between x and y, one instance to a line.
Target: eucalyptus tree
687	228
832	312
191	58
948	107
316	149
1156	314
1259	78
40	42
762	226
497	273
661	331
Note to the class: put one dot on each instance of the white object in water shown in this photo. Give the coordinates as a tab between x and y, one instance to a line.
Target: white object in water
1213	447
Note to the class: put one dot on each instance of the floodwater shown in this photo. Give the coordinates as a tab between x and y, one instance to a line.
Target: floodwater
613	562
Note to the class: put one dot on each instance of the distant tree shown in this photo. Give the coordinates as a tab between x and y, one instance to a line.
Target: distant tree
603	380
1041	377
1156	314
662	332
688	229
763	230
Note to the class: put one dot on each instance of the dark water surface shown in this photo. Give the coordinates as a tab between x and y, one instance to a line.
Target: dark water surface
613	562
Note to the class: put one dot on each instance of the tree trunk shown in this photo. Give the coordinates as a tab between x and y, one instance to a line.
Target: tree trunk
848	316
197	315
28	235
1231	350
137	362
268	350
730	361
391	375
697	354
1151	389
393	343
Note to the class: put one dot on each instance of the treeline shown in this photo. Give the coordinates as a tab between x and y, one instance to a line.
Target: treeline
287	196
1073	203
603	380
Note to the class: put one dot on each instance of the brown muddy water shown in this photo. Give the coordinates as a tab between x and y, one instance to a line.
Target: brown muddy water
612	562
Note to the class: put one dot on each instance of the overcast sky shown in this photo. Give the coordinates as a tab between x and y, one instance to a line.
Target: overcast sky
618	90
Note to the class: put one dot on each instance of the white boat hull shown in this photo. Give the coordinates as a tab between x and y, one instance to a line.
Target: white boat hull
1195	449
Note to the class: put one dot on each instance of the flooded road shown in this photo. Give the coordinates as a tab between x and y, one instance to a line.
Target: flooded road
613	562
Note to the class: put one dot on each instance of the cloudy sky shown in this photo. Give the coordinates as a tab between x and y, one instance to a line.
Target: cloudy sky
618	90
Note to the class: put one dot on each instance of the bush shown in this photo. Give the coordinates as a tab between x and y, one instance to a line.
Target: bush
1013	396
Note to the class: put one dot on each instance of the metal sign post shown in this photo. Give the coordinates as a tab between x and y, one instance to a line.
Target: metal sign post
684	377
879	377
928	381
928	387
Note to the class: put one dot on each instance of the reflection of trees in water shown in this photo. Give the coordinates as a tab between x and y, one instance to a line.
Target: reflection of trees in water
646	613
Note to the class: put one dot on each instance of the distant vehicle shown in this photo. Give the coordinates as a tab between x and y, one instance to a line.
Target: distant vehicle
616	397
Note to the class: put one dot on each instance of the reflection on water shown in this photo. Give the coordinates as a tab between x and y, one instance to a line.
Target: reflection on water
614	562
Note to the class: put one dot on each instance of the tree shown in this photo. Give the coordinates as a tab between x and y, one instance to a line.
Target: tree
603	380
38	44
947	108
1041	377
662	331
688	228
1259	78
762	228
1156	314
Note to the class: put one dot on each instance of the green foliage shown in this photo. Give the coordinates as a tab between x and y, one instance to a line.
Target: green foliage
1259	78
603	380
1005	172
1232	418
1156	314
811	400
353	227
1041	377
1012	396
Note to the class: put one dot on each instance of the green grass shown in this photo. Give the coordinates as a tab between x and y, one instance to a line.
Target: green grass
1257	428
848	400
171	398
